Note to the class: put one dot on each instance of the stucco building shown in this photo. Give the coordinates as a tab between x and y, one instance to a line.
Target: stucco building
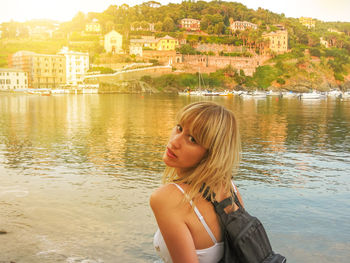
77	64
166	43
242	25
93	27
190	24
11	79
278	41
44	71
307	21
113	42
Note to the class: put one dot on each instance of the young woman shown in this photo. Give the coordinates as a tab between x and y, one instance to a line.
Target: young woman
202	153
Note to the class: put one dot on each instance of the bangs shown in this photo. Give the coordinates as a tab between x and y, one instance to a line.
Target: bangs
200	121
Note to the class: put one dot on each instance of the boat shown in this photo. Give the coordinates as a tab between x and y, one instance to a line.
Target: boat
210	93
290	94
346	95
239	92
226	93
42	92
255	94
57	91
184	93
312	95
334	93
274	93
205	91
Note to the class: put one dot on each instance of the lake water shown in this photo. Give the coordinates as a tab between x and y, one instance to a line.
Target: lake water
76	173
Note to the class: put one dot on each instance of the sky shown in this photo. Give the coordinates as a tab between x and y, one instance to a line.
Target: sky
65	10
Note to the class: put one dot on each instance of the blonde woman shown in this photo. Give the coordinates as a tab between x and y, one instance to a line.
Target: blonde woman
202	152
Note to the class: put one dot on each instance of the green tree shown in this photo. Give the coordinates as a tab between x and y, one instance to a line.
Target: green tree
168	24
187	50
219	28
158	26
144	25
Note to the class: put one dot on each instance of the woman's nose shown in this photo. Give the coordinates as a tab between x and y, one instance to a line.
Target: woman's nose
175	141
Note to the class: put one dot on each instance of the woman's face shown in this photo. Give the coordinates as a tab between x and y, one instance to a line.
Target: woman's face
183	152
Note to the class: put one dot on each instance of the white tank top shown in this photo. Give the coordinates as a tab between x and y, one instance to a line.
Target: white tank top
208	255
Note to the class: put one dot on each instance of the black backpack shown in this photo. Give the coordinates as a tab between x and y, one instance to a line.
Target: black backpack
245	238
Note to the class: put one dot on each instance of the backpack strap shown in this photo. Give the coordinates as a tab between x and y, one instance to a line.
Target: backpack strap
224	203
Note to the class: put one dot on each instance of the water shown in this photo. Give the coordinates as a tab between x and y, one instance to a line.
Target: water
76	173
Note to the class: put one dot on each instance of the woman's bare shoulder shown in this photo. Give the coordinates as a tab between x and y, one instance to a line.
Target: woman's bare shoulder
167	195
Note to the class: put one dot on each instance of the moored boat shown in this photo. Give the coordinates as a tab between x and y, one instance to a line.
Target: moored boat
255	94
346	95
312	95
290	94
334	93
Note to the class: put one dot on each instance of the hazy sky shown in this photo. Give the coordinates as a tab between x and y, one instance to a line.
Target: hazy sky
65	10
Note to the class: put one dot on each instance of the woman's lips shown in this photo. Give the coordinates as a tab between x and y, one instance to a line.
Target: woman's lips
170	153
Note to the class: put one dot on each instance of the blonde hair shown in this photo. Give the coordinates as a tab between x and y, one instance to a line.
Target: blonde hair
215	128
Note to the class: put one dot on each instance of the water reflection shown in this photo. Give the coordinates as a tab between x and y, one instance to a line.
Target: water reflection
76	173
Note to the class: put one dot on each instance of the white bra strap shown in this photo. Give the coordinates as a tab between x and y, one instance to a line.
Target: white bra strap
234	187
200	217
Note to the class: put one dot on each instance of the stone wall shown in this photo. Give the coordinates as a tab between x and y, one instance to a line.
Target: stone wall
163	56
203	63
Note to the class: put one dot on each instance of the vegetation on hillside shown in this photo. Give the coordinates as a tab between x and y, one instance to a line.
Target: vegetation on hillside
307	58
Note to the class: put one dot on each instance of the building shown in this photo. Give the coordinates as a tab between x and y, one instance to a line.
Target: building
278	41
93	27
190	24
11	79
280	26
166	43
242	25
113	42
44	71
324	42
153	4
332	30
77	65
308	22
150	27
136	47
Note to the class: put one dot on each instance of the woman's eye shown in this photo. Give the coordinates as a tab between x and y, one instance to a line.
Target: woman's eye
192	140
179	128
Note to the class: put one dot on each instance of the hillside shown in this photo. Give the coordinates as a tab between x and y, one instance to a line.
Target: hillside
307	60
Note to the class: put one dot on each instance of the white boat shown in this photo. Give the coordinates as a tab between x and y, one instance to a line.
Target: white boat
312	95
197	93
210	93
57	91
42	92
346	95
239	92
290	94
334	93
226	93
183	93
256	94
274	93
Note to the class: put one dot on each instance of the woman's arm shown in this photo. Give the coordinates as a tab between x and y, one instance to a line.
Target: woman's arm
170	212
